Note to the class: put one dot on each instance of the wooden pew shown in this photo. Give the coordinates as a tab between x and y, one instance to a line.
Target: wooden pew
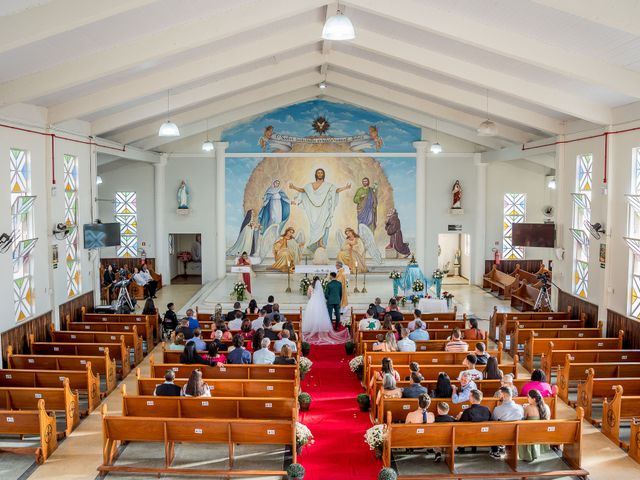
524	297
428	345
102	365
594	390
497	281
257	372
82	380
117	430
486	434
173	356
447	317
207	316
621	407
118	351
536	346
144	329
131	339
634	443
151	320
497	319
31	422
553	358
60	399
399	407
520	336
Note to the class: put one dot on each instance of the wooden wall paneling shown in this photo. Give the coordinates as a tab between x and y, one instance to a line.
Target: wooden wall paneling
73	308
579	306
130	262
631	327
18	336
508	266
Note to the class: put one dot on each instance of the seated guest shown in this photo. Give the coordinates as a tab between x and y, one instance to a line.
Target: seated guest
170	321
377	307
392	310
417	315
422	413
259	322
217	339
536	409
263	356
491	371
507	381
413	367
193	321
213	356
406	344
481	353
143	278
415	389
189	355
277	346
253	307
285	357
234	320
149	307
419	333
474	413
195	386
231	315
269	306
506	411
389	387
442	417
469	363
539	383
387	324
276	310
473	333
178	343
388	345
225	334
268	331
108	280
168	388
387	368
200	344
245	329
461	394
184	329
443	386
239	354
288	325
277	322
256	340
369	322
456	344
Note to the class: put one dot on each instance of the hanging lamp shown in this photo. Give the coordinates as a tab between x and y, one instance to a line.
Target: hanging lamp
168	128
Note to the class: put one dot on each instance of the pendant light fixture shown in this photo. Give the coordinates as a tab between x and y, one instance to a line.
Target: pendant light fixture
487	128
98	180
338	27
436	148
207	146
168	128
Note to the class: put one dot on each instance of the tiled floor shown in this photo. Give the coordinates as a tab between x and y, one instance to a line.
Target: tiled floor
79	455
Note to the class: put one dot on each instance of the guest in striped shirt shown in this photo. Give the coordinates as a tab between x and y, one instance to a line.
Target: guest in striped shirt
456	344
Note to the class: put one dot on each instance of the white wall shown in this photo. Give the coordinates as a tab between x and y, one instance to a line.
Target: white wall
465	258
449	244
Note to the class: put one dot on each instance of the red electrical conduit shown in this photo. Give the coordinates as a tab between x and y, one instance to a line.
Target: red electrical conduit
53	137
606	144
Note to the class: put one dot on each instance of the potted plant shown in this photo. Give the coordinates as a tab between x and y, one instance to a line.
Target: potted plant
304	400
387	474
306	348
356	364
364	401
303	436
295	470
349	347
305	365
374	437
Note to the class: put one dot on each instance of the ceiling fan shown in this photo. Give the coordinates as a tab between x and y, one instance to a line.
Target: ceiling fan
548	211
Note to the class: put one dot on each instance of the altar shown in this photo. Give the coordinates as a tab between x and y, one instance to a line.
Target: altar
433	305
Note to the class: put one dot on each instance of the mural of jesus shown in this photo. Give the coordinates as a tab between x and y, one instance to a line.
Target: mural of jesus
318	200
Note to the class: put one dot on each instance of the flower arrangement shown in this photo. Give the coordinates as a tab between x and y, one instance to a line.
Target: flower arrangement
447	295
184	256
374	437
305	283
303	434
356	364
324	281
415	299
305	365
402	300
439	274
239	291
395	275
345	320
418	286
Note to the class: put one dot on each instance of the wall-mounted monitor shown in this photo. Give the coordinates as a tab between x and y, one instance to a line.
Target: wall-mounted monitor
100	235
541	235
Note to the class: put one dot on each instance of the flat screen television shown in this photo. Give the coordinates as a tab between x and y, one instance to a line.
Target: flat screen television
100	235
541	235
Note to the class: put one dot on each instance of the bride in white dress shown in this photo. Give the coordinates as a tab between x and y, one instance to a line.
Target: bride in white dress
316	325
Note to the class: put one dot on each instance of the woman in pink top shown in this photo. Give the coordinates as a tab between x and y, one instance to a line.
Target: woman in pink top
538	382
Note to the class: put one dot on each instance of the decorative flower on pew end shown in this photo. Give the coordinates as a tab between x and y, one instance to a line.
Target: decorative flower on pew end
303	435
239	291
295	470
418	286
305	283
356	364
305	365
345	320
395	275
374	437
387	473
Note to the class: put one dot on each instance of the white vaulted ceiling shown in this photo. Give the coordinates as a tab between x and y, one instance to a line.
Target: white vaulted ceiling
542	62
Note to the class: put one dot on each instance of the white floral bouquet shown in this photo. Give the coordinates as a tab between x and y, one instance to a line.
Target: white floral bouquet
345	320
303	434
239	291
418	286
305	365
374	437
356	363
438	274
305	283
395	275
324	282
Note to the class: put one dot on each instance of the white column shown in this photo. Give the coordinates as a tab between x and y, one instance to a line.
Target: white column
422	148
479	251
161	239
221	216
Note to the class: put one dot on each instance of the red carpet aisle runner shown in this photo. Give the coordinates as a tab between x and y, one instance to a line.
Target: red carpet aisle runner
339	451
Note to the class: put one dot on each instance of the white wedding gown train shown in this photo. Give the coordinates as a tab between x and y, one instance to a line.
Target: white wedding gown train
317	328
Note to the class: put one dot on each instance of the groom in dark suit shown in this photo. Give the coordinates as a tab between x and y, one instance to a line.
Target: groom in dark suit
333	294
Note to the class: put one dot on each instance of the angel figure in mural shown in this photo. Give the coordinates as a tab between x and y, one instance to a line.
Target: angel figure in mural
247	238
276	208
183	196
353	247
394	230
366	200
287	250
318	200
375	136
266	136
456	193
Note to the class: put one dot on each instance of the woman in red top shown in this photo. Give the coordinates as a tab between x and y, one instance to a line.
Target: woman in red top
246	330
244	261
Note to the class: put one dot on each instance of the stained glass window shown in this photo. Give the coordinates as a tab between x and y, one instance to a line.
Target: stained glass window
72	258
22	224
634	307
582	214
515	209
633	235
127	216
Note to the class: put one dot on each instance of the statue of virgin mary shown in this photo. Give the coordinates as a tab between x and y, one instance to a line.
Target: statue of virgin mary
183	196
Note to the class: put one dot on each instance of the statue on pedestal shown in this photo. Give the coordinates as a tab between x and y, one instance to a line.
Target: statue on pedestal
183	196
456	193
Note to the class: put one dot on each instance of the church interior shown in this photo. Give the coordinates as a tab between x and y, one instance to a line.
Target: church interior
325	240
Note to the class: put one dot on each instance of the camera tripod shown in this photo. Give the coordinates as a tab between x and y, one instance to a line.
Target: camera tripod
124	304
543	302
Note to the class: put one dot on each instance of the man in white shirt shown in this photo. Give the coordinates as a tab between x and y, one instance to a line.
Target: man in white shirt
264	356
277	346
236	323
259	322
416	316
369	322
470	363
406	344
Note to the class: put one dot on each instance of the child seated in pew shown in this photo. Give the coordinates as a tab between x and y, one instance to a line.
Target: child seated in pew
442	417
195	386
